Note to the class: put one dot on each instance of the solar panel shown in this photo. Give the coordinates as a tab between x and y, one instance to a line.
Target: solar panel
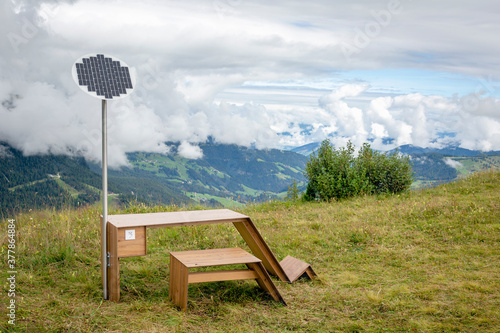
103	76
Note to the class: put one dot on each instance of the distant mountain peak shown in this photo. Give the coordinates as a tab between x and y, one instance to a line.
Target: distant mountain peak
306	149
447	151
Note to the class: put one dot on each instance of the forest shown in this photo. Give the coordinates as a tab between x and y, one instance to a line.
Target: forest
226	171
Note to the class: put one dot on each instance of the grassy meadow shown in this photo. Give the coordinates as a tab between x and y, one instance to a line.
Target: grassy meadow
425	261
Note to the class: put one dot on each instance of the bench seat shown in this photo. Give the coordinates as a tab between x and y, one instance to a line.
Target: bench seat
181	262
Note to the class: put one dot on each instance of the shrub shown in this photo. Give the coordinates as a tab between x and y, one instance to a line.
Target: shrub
337	173
292	194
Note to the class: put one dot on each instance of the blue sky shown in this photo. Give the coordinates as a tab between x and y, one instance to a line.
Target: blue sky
253	73
427	82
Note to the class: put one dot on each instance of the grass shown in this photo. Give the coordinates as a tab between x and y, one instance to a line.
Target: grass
426	261
226	202
12	189
73	192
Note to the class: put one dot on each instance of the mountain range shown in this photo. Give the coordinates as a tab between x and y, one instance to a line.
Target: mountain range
453	151
227	175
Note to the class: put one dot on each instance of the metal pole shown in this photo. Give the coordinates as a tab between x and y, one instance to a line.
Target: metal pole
104	199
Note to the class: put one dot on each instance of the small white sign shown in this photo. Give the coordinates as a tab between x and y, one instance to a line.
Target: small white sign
130	234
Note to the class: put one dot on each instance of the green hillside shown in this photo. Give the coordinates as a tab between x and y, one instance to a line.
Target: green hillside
425	261
468	165
227	175
30	182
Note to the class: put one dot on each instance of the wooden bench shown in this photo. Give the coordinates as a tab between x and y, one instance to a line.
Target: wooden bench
126	236
181	277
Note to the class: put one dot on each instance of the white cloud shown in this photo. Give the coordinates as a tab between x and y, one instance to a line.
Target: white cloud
4	152
243	125
189	151
454	164
379	131
268	74
348	121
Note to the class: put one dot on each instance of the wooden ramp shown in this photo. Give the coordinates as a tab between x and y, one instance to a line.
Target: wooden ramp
295	268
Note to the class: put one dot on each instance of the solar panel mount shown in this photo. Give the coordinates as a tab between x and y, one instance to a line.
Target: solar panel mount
103	76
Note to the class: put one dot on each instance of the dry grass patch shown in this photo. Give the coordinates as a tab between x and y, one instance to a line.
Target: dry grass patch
425	261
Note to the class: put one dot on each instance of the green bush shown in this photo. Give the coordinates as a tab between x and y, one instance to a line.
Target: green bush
337	173
292	194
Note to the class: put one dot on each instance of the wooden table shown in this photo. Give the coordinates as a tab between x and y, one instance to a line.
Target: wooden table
126	237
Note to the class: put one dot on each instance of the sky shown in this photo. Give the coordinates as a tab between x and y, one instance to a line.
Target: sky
261	74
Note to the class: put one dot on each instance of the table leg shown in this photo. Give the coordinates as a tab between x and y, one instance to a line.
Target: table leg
260	249
114	264
178	286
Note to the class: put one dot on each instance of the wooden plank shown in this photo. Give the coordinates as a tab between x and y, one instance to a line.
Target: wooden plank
172	219
265	282
214	257
103	264
293	267
229	275
260	248
311	273
178	285
132	248
114	268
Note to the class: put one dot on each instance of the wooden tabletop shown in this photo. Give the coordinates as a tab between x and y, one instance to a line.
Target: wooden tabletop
172	219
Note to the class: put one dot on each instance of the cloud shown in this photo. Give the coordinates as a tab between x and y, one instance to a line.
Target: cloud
262	74
44	120
424	121
244	125
379	131
347	121
5	152
452	163
189	151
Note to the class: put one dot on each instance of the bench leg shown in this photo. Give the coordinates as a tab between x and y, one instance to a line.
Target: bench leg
265	281
178	287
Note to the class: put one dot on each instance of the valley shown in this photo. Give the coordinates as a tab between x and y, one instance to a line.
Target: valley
226	176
